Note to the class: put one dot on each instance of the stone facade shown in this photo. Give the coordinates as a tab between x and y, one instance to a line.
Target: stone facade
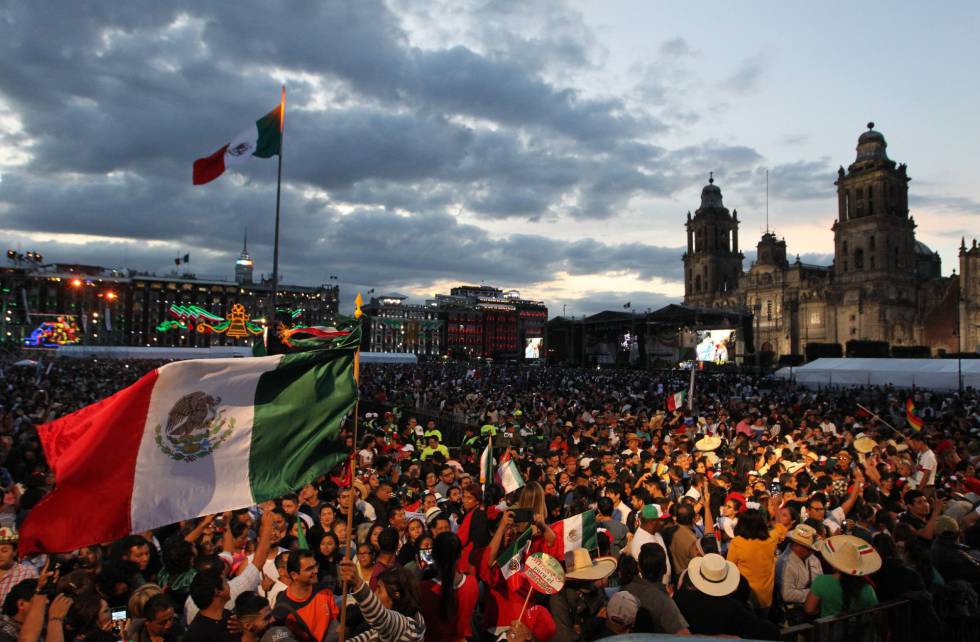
969	299
882	286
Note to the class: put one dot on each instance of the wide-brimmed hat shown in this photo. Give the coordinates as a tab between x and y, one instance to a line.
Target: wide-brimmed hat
632	436
579	565
708	443
864	445
431	514
713	575
804	536
361	488
900	446
851	555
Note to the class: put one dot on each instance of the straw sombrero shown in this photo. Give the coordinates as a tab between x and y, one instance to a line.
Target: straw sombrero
713	575
864	445
804	536
850	555
579	565
707	444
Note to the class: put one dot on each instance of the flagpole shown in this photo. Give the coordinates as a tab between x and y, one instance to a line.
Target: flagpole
275	245
875	415
353	457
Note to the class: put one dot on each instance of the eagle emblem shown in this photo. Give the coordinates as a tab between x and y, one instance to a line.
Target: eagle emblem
195	427
240	149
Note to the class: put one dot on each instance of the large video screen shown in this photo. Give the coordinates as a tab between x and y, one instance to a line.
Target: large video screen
716	346
532	347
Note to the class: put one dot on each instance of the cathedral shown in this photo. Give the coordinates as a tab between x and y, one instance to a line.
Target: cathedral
883	285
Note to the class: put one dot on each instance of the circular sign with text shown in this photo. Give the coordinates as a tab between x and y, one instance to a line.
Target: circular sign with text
545	573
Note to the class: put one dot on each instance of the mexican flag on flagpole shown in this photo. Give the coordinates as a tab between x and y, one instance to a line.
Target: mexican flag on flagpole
578	531
192	438
261	140
508	475
676	400
511	559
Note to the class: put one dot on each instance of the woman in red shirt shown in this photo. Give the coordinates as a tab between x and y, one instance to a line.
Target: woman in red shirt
449	599
472	530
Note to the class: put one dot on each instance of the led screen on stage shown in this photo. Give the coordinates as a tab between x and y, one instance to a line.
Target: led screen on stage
532	347
715	345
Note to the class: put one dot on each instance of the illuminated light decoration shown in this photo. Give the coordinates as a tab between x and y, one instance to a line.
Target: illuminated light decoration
296	336
76	283
110	295
51	334
236	326
171	325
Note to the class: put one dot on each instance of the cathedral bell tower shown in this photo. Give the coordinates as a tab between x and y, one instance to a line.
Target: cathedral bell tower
712	263
874	236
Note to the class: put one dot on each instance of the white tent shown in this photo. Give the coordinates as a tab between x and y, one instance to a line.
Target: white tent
940	374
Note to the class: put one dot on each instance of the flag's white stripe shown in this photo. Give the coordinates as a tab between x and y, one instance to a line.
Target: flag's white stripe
166	490
571	530
507	569
510	477
242	146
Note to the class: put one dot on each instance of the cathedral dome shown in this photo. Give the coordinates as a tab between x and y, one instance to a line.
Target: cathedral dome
871	145
711	194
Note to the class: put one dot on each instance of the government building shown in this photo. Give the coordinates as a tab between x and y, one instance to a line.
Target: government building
883	284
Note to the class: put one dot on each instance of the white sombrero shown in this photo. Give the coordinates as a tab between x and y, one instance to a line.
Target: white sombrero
707	444
713	575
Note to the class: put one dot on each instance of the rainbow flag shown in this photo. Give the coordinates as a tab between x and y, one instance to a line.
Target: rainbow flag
912	416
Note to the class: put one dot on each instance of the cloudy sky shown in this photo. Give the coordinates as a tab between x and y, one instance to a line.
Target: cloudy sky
552	147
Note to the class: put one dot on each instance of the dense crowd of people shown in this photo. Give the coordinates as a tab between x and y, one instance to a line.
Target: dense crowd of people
757	507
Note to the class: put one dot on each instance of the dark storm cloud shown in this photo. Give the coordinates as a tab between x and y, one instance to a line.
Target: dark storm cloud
594	302
116	101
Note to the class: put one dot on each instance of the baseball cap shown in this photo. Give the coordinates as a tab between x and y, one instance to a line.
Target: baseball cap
278	634
622	608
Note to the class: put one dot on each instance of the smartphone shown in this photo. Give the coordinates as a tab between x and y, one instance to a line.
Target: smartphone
119	615
775	488
523	515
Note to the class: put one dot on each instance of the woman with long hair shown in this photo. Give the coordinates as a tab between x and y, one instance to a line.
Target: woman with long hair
327	554
543	539
324	524
89	619
846	589
473	530
448	598
392	610
753	550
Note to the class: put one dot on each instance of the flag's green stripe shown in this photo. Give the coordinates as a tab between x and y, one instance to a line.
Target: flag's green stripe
270	138
589	531
505	556
299	409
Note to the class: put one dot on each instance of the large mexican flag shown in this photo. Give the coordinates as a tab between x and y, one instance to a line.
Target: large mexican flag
192	438
263	139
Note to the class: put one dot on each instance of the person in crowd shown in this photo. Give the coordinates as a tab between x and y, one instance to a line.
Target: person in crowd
449	598
310	605
705	598
577	608
795	570
12	571
650	523
392	610
621	614
658	613
847	589
754	553
255	619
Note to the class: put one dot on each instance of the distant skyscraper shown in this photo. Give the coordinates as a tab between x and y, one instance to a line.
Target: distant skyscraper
243	266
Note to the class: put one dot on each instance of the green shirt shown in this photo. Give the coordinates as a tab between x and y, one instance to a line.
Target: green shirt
828	589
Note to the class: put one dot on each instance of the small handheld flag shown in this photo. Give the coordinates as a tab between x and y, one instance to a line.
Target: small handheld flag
912	415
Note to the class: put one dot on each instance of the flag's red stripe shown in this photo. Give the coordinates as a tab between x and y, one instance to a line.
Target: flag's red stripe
209	168
93	454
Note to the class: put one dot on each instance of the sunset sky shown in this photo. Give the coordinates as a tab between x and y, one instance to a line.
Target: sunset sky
550	147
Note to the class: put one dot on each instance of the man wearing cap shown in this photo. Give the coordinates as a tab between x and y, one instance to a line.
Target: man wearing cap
621	613
796	569
11	571
948	557
649	531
